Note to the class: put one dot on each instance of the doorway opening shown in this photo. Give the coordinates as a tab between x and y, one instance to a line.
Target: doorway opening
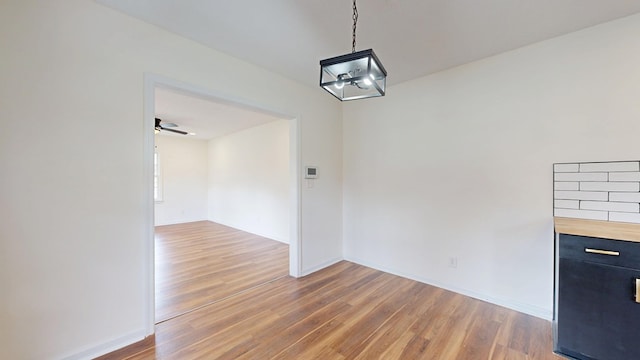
153	83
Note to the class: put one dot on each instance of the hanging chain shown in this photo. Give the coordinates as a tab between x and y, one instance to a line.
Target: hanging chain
355	21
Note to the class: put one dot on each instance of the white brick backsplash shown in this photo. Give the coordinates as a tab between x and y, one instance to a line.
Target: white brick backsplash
566	167
581	176
566	185
581	195
581	214
610	166
610	186
624	176
624	217
609	206
608	191
624	197
566	204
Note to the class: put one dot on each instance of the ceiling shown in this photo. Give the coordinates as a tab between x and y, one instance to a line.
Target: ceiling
412	38
205	117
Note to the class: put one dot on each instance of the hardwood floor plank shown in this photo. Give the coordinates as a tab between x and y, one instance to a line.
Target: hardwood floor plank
372	318
415	347
391	337
448	342
481	332
313	343
202	262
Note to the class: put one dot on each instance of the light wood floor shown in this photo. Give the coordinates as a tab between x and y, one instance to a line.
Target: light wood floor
346	311
202	262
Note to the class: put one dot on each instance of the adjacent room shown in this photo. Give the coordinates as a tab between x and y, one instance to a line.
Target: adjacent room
428	207
221	194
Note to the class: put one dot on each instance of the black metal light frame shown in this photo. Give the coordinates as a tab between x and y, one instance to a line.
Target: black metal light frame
353	76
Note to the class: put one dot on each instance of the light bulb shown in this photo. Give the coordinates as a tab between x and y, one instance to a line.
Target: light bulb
340	83
367	81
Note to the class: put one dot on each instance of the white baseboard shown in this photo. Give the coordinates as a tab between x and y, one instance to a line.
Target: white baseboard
250	231
178	221
94	351
321	266
536	311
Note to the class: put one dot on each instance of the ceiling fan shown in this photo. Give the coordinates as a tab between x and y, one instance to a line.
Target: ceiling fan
167	126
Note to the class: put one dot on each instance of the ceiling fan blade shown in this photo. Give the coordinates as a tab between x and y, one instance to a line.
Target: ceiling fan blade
175	131
169	124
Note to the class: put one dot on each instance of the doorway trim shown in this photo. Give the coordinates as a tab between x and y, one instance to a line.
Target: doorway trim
151	82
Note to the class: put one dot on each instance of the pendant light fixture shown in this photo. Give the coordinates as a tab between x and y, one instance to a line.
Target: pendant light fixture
357	75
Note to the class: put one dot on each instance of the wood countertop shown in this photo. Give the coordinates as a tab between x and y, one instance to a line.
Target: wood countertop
597	228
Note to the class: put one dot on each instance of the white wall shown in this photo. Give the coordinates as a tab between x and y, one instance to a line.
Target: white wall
249	180
459	164
73	257
183	168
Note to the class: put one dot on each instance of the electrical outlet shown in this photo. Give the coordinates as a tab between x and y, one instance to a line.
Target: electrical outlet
453	262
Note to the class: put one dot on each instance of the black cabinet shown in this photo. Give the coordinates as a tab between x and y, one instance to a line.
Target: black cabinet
597	316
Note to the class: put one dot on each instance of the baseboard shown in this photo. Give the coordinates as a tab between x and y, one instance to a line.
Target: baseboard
536	311
311	270
94	351
267	236
179	221
130	350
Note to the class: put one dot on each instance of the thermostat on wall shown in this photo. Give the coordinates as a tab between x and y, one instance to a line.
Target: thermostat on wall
310	172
